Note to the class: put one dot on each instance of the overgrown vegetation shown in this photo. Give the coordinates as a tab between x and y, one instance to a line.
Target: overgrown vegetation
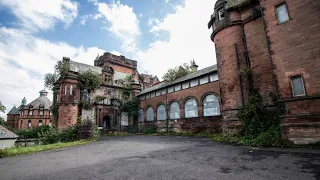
261	126
179	71
52	136
13	151
2	107
130	101
33	132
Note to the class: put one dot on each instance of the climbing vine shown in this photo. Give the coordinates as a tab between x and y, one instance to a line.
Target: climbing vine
261	125
130	102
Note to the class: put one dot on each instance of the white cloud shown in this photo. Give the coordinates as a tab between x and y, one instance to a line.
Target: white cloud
188	38
153	21
37	15
123	22
24	59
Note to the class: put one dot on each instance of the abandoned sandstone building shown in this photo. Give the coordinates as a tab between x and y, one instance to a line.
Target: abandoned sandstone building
34	114
277	40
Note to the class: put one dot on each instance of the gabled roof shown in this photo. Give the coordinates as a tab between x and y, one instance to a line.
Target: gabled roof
198	73
42	100
6	134
12	111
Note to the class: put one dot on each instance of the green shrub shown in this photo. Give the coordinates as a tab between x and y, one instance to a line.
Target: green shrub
149	130
32	133
49	137
131	129
68	134
96	133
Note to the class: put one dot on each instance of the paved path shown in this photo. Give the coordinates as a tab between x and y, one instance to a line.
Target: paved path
155	157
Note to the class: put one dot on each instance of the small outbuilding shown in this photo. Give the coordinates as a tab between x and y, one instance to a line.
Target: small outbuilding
7	138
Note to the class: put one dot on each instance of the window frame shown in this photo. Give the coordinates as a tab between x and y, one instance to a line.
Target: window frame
40	123
150	107
202	77
140	115
184	83
220	12
29	123
164	91
172	89
184	105
165	112
195	80
179	112
177	85
302	82
203	100
276	13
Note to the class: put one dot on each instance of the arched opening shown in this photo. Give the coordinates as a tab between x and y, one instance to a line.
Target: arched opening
106	122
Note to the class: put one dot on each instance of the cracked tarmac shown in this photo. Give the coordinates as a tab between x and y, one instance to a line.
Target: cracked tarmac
163	157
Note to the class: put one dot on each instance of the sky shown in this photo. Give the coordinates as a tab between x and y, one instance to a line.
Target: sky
159	34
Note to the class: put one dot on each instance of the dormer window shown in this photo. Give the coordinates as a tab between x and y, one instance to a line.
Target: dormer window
220	14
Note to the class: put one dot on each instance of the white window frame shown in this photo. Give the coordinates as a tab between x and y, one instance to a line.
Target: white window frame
29	123
40	123
187	113
220	12
211	111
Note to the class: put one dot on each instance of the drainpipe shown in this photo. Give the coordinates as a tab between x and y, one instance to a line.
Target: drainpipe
240	79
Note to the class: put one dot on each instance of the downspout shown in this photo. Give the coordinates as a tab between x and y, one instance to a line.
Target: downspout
269	52
240	79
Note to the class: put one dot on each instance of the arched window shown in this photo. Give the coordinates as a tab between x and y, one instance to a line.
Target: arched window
141	115
174	110
161	112
71	90
190	108
211	106
150	114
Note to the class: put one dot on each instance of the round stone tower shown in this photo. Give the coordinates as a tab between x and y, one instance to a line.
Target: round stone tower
228	38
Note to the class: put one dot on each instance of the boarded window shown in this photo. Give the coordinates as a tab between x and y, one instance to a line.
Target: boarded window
177	87
164	91
71	88
150	114
191	109
158	93
211	106
204	80
282	13
124	119
141	115
170	89
297	86
194	82
161	112
174	110
213	77
185	85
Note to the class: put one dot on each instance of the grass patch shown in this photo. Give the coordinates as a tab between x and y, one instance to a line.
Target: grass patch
14	151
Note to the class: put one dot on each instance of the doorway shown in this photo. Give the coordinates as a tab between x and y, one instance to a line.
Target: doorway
106	122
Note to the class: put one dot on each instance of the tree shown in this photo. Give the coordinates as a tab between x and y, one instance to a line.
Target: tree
61	70
130	102
179	71
2	107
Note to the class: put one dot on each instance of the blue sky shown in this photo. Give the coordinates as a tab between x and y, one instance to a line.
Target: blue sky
159	34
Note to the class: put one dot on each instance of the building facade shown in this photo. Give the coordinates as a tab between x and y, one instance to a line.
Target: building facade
104	113
279	41
35	114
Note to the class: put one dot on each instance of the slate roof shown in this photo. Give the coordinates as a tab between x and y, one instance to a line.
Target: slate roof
6	134
42	100
198	73
80	67
13	110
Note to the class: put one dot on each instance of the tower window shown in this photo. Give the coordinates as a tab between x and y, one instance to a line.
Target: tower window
297	86
282	13
220	14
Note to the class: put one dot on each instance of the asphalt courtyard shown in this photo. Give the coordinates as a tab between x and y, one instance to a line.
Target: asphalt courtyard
160	157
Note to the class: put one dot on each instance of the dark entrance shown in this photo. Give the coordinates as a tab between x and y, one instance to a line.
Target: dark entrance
106	122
